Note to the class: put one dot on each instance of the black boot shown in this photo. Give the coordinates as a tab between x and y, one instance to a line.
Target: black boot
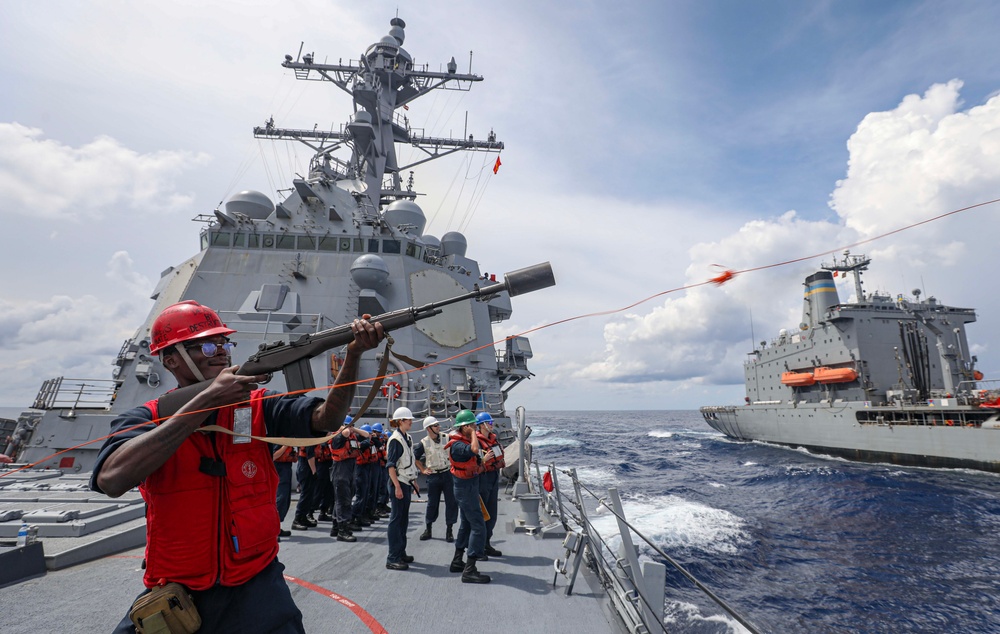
345	536
299	524
424	536
449	536
492	552
471	575
457	565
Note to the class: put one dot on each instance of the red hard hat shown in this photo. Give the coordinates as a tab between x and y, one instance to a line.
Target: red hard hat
184	321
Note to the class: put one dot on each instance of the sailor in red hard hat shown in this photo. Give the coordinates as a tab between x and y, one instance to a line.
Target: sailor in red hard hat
212	523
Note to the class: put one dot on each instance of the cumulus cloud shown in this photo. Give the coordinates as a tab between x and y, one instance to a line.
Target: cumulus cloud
75	337
924	157
921	159
43	177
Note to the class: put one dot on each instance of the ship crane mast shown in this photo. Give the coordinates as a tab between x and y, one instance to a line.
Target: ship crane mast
854	264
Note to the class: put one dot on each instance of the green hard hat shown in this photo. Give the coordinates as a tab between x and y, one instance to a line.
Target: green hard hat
465	417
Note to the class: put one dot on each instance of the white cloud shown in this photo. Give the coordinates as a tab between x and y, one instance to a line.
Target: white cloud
921	159
43	177
75	337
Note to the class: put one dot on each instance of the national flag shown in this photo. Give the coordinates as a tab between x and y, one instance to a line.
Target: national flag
496	166
405	107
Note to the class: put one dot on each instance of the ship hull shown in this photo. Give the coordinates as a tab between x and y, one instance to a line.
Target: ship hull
836	430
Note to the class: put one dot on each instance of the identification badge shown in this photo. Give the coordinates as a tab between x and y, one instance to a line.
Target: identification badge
497	451
241	425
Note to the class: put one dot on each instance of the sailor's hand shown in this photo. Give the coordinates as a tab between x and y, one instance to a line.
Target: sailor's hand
229	387
399	492
367	335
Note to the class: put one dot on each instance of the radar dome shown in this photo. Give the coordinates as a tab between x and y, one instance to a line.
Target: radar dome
431	242
251	204
454	243
370	272
406	215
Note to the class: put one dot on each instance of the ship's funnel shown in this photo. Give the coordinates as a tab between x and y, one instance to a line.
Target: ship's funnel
820	296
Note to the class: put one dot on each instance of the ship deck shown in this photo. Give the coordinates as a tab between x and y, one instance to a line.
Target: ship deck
346	587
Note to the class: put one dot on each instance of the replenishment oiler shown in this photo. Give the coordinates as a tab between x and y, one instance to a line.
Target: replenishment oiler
346	240
883	379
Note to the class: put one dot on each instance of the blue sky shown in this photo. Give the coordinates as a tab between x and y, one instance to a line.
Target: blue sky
646	141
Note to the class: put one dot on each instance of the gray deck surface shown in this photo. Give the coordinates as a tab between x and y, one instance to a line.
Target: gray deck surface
93	597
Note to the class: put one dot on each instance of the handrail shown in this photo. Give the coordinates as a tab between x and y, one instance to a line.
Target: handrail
603	571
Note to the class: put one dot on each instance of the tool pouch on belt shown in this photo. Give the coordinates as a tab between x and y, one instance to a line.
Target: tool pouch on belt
166	609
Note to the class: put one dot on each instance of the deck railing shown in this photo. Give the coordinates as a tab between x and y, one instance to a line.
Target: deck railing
636	592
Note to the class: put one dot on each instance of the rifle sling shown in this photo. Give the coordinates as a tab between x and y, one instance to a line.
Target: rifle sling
382	368
310	442
274	440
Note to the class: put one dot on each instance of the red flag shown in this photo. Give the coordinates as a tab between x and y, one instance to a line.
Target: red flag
496	166
835	273
547	481
405	107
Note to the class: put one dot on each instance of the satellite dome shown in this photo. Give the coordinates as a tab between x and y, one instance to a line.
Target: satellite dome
454	243
430	241
407	215
362	116
370	272
251	204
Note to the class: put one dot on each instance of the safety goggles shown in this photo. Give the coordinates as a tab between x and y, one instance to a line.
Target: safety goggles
212	349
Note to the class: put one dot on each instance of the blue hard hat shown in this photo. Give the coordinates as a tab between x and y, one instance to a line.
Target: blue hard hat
366	428
377	427
484	417
348	420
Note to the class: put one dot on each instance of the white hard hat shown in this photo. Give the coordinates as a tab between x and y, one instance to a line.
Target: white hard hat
430	421
402	413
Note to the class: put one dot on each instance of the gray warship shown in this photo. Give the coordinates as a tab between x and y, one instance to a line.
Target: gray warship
345	240
883	379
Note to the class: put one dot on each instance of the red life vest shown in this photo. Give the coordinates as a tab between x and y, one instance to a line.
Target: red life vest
203	529
467	469
324	453
491	461
349	451
290	455
368	456
383	453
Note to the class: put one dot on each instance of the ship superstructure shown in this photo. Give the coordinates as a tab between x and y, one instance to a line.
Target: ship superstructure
885	378
346	240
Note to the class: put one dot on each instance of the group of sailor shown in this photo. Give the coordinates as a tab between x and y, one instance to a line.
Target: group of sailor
343	479
361	476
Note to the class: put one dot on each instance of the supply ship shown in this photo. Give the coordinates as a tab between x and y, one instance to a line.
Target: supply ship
347	239
884	379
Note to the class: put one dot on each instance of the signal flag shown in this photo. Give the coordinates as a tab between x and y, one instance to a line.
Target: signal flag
496	166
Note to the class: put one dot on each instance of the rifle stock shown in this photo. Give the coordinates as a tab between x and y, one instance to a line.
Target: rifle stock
292	358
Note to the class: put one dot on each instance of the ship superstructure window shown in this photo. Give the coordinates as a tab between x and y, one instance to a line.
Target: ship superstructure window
285	242
221	239
390	246
413	250
328	244
306	243
373	245
253	241
267	241
239	240
345	244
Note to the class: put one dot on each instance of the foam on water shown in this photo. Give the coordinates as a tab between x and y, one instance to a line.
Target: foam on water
597	477
555	441
658	433
672	522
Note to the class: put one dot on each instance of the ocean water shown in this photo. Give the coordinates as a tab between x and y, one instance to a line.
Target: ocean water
794	542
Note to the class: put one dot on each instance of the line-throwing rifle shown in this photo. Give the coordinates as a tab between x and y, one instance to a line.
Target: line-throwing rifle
292	358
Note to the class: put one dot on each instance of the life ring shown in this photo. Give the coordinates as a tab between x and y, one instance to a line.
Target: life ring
397	391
